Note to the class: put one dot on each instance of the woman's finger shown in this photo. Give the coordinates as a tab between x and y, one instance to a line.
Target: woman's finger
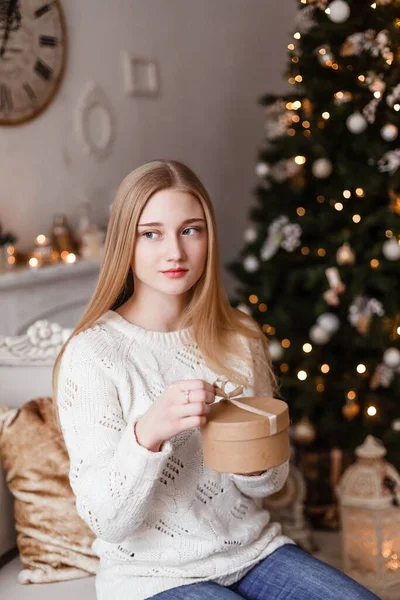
192	409
196	396
191	422
195	384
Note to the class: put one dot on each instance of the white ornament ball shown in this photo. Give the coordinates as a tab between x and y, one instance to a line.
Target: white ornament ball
321	168
396	425
251	263
345	255
389	132
356	123
325	58
275	350
391	358
339	11
329	322
244	308
319	335
250	234
304	431
382	37
391	249
262	169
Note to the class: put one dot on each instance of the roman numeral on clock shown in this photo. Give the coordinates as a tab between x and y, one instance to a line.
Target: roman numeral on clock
29	91
48	40
6	102
43	70
42	10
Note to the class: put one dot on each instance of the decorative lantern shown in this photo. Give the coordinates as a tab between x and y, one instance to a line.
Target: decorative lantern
43	250
369	501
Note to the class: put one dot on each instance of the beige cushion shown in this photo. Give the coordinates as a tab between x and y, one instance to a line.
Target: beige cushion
53	541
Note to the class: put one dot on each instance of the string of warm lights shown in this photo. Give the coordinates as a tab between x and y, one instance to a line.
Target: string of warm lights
301	122
351	408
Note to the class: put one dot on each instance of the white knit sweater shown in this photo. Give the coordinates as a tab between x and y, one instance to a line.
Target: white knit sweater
161	519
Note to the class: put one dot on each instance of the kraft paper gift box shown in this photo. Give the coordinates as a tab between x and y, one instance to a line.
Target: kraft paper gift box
245	434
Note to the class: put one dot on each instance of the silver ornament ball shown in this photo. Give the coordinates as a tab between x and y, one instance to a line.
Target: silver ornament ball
391	358
321	168
329	322
250	234
275	350
251	263
262	169
339	11
318	335
396	425
389	132
304	432
356	123
391	249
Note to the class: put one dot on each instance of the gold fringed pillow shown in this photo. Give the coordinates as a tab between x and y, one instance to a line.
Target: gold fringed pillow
53	541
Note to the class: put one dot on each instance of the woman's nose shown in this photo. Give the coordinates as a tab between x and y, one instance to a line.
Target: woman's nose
176	248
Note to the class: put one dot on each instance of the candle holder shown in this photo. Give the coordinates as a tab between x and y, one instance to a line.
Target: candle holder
43	250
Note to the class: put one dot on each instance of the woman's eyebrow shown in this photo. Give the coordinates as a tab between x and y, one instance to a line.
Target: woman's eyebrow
158	224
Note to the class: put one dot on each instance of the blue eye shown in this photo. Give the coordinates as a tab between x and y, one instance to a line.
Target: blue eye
149	233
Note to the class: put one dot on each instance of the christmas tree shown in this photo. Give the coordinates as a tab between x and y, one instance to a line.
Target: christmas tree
319	269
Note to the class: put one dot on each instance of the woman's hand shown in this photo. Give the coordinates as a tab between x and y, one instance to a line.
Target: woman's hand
171	413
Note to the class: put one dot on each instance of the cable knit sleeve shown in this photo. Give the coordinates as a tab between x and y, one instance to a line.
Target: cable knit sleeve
272	480
112	476
260	486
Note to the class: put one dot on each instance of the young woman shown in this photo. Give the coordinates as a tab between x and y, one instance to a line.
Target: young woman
134	383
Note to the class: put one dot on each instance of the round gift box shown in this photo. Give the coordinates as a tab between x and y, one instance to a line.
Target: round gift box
238	441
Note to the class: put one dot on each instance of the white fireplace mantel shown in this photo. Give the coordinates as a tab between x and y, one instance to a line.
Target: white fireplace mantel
57	292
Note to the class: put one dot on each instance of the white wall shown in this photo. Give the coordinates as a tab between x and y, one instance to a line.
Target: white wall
216	58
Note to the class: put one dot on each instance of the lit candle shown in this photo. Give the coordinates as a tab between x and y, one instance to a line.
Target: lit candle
68	257
33	262
41	240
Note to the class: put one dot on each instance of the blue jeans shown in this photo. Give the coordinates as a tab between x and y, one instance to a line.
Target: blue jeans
288	573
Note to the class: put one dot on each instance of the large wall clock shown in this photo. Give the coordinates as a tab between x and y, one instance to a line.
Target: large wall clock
32	57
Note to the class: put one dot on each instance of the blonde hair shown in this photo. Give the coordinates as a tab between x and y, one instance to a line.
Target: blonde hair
208	312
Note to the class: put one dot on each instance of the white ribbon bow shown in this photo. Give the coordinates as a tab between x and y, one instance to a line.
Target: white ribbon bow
220	391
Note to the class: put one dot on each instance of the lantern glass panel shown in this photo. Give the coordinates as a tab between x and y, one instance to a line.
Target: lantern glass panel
391	540
361	543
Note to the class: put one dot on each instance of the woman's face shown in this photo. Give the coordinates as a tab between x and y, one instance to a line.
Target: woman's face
171	234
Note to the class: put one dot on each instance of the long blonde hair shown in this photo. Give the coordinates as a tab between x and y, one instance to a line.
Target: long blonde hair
208	312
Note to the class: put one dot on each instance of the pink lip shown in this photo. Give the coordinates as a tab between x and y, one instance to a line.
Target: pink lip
174	274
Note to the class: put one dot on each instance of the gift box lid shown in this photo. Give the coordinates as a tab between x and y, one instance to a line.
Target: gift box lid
229	422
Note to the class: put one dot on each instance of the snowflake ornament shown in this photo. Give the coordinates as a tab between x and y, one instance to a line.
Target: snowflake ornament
369	110
383	376
277	119
394	96
292	233
363	306
367	41
390	161
281	233
304	20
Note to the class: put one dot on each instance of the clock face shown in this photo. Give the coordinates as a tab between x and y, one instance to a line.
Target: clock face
32	57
